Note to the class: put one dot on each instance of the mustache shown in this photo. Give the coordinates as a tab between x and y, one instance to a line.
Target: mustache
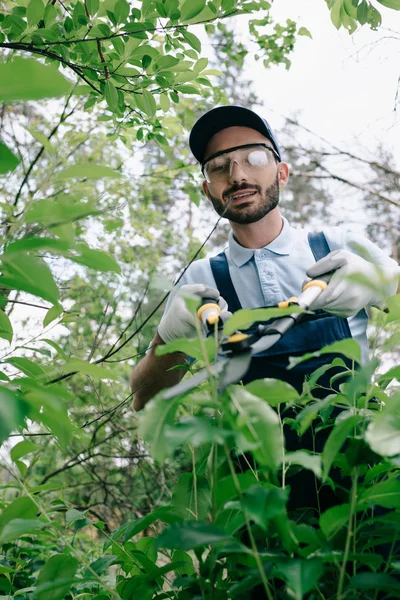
239	188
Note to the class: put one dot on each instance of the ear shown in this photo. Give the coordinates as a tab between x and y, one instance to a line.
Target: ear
206	190
283	174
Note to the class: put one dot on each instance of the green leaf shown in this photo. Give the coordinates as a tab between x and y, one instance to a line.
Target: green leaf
192	495
335	441
36	243
275	392
383	433
17	527
191	534
191	39
243	319
261	504
92	6
394	4
20	507
6	330
348	347
52	314
362	12
304	31
393	304
63	212
55	346
94	259
72	516
385	493
87	171
27	366
306	460
335	13
300	575
164	102
22	449
13	411
42	139
386	378
59	571
34	11
193	348
49	406
165	514
200	65
333	519
8	161
260	426
149	103
196	431
90	369
111	95
28	79
29	274
157	414
376	581
121	10
191	8
187	568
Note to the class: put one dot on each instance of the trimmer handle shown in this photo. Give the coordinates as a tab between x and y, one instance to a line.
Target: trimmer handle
209	312
312	290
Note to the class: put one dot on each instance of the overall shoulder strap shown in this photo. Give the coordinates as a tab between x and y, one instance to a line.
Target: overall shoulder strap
220	271
318	244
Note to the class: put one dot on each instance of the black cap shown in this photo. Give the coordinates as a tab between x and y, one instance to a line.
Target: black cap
222	117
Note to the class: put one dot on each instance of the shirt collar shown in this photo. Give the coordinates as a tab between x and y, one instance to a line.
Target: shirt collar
280	245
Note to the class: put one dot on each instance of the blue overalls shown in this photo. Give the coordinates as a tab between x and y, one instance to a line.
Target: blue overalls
311	334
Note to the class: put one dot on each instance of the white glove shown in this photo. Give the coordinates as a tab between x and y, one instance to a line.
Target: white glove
345	296
179	322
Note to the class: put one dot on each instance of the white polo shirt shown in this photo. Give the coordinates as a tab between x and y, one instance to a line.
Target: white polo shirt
266	276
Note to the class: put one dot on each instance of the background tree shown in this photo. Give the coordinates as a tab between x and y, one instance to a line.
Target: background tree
97	201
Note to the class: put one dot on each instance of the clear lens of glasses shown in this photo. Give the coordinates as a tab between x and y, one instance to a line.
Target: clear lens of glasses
249	159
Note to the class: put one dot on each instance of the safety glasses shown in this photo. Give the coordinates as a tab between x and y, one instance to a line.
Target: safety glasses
250	158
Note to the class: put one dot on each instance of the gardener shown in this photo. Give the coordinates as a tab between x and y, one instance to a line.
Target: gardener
266	260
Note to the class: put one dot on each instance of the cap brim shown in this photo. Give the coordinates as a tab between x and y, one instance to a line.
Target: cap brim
222	117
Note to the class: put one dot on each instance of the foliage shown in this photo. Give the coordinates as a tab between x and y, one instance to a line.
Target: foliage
86	511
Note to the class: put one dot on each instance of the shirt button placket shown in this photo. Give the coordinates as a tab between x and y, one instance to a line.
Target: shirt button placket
267	279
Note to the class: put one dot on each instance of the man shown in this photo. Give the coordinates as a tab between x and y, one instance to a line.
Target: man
266	260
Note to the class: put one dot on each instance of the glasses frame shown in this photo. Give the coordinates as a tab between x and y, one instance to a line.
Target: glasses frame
228	150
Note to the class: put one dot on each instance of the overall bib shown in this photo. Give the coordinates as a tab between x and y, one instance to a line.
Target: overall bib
311	334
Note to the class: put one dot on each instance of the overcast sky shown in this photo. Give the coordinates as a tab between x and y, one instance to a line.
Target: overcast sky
342	86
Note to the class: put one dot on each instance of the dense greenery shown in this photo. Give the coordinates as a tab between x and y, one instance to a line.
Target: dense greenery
96	100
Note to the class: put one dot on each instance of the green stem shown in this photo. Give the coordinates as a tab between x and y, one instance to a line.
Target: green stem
196	506
248	527
350	533
283	448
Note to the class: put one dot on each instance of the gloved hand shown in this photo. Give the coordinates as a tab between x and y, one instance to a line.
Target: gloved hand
179	322
344	297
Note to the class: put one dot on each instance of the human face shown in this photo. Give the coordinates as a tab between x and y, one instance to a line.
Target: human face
243	196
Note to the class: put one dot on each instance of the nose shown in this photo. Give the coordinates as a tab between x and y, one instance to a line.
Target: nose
236	172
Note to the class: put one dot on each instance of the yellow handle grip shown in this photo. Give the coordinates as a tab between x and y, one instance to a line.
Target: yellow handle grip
286	303
209	313
316	283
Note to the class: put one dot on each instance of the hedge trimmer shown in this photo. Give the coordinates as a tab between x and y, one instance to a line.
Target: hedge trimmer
236	351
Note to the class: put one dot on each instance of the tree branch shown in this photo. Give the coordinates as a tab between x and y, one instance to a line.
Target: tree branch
358	186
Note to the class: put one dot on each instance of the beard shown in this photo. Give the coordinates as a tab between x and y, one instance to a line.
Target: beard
248	212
